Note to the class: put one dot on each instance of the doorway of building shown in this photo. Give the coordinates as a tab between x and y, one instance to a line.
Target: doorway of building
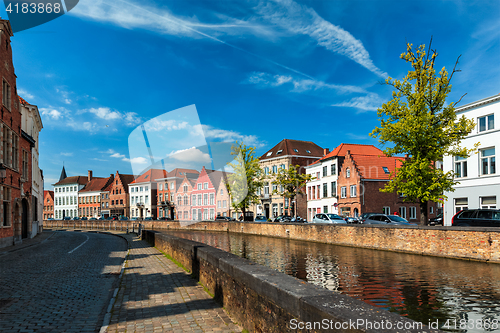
24	219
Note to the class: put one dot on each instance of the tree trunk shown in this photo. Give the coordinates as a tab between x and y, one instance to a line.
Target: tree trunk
423	212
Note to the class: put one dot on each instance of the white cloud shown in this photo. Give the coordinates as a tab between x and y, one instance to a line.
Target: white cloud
227	136
298	85
135	160
117	155
67	154
25	94
131	119
105	113
300	19
156	125
370	102
191	155
52	113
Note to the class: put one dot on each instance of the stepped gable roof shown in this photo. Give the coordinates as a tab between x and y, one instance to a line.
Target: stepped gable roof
126	179
48	193
376	167
216	176
354	148
81	180
150	176
288	147
97	184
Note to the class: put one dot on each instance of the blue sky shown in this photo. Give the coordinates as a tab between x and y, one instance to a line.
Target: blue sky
257	72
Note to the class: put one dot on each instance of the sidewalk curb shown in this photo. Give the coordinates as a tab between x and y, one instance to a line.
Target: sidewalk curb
3	253
107	316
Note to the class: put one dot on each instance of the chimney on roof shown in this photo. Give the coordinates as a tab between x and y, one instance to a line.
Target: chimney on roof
89	178
326	151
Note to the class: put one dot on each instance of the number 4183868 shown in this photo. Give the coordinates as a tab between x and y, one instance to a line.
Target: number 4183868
33	7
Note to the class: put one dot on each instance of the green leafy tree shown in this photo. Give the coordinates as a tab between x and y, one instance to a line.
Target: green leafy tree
418	123
246	178
292	181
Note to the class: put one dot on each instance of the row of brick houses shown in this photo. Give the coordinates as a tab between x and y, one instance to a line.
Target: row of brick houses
346	181
184	194
21	180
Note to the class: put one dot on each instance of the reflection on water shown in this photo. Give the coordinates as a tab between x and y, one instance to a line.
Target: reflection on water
423	288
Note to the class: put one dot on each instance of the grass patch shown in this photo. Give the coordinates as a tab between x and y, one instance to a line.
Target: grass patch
206	290
173	260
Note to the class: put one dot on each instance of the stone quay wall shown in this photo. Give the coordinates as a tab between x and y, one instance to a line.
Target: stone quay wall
264	300
470	243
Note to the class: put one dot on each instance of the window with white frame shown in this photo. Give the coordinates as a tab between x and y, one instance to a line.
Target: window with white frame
413	212
185	188
333	169
219	204
193	199
205	186
460	167
334	188
325	190
200	203
186	200
488	161
461	204
348	172
402	211
266	170
275	169
431	210
353	191
224	204
386	210
212	198
205	199
199	186
160	186
172	185
489	202
343	192
486	123
325	171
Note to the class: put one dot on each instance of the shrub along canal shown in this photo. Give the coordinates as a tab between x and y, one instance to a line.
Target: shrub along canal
464	296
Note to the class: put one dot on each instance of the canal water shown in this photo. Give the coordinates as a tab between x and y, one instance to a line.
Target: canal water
459	295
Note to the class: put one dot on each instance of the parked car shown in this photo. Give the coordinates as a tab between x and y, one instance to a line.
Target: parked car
83	218
364	216
282	218
260	218
351	219
438	220
387	219
50	219
67	218
123	218
328	218
92	219
75	218
163	218
224	218
148	219
133	219
477	218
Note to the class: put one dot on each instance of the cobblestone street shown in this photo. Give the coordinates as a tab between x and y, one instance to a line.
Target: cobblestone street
62	284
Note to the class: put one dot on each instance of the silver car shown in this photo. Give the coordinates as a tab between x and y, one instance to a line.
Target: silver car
328	218
387	220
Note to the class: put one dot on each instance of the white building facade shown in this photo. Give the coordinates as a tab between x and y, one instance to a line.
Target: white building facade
66	197
322	190
478	175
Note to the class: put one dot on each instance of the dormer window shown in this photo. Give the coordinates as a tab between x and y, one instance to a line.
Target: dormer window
295	150
270	153
386	170
279	151
308	151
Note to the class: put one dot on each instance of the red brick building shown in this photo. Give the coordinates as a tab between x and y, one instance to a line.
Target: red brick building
48	204
119	196
89	197
359	182
15	154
